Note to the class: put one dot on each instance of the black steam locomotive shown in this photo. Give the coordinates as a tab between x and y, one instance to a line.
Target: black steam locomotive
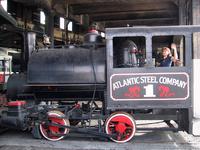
101	89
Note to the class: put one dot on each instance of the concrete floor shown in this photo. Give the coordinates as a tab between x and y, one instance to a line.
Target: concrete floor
143	140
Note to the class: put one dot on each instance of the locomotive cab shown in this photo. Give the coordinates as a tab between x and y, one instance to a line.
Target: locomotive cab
150	88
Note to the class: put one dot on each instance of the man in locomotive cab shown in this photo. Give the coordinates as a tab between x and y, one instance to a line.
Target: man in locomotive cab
168	57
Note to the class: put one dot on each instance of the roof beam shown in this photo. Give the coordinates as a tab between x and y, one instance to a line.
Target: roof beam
72	2
124	7
149	22
134	15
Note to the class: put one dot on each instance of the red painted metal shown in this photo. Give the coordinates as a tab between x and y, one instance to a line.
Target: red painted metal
122	126
16	103
50	131
2	78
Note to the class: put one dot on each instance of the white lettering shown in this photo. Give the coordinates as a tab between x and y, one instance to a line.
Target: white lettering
148	79
149	91
172	81
125	82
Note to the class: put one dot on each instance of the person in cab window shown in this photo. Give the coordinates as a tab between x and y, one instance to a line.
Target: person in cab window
169	57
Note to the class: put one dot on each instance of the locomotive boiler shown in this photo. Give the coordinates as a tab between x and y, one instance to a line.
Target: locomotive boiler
100	88
74	68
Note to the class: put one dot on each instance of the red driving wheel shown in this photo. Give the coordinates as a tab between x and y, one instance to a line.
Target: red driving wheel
121	126
49	131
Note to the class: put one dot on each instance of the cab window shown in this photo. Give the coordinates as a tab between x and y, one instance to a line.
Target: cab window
168	51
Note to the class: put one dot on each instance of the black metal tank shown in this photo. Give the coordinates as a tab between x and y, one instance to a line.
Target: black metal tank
75	72
76	65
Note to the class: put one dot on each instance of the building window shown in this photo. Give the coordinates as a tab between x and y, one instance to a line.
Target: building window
62	23
4	4
42	17
103	34
70	26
